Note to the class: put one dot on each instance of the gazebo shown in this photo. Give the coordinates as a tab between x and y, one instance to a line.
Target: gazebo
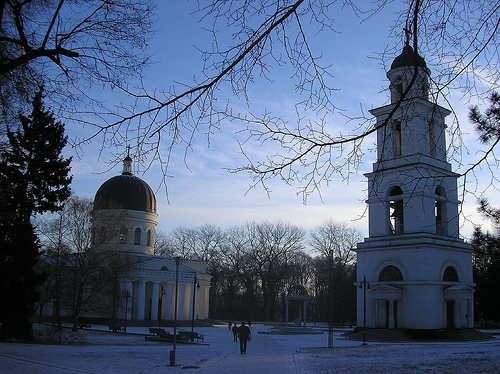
298	293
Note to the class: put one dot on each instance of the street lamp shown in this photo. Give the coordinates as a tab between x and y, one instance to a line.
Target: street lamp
127	296
364	285
196	286
331	261
172	352
162	293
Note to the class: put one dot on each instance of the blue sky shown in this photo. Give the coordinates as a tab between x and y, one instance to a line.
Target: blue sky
205	192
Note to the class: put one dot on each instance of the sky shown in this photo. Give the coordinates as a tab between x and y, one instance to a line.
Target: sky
201	190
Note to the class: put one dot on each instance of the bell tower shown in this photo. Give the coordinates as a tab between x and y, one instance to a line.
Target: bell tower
418	269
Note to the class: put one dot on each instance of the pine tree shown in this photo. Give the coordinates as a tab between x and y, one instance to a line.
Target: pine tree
487	245
34	178
487	276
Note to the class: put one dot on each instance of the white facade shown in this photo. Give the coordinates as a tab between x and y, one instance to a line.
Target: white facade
150	287
418	270
147	288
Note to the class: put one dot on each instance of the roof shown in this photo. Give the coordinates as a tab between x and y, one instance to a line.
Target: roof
408	58
125	191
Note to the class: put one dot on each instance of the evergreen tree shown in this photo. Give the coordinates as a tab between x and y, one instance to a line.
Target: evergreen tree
33	179
487	276
487	245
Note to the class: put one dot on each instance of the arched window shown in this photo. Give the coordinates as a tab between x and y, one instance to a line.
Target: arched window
450	274
396	132
123	235
396	211
164	268
440	211
397	89
390	274
137	236
148	238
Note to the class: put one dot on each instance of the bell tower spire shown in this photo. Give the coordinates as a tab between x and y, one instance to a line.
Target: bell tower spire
127	163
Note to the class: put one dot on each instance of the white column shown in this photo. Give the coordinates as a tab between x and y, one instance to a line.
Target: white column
168	301
141	299
181	301
154	302
207	296
190	302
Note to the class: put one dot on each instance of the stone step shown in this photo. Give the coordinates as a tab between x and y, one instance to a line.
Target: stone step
399	335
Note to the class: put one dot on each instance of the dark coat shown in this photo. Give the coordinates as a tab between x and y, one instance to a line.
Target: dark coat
244	332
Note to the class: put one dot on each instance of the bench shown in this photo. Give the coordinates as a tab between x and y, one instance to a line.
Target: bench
185	335
165	335
116	328
156	331
84	326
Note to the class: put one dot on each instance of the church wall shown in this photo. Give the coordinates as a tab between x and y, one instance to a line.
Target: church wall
423	305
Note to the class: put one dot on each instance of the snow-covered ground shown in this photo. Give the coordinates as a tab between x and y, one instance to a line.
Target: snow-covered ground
105	352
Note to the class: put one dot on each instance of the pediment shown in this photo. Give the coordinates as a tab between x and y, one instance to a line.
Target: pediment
385	288
459	288
386	291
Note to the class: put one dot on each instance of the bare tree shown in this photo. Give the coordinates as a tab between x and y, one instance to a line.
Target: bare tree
69	48
271	247
182	240
84	267
336	237
163	246
51	232
459	41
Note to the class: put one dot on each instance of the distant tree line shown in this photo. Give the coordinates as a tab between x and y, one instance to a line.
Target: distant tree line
254	266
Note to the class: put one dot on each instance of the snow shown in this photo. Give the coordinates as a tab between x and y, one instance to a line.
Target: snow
95	351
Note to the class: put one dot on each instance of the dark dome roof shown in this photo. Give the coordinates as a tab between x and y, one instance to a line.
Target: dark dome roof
407	58
125	191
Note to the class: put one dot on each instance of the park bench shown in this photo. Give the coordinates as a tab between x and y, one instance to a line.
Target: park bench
187	335
156	331
116	328
165	335
84	326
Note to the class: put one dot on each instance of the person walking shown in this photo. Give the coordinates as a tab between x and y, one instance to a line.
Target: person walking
235	332
245	334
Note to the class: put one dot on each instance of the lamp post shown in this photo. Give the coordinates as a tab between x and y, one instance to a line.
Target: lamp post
127	296
196	286
364	285
172	352
331	261
162	293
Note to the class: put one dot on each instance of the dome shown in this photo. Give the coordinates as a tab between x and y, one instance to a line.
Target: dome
125	191
407	58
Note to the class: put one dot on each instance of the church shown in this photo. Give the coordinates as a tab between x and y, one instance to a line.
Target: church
134	283
147	289
414	271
